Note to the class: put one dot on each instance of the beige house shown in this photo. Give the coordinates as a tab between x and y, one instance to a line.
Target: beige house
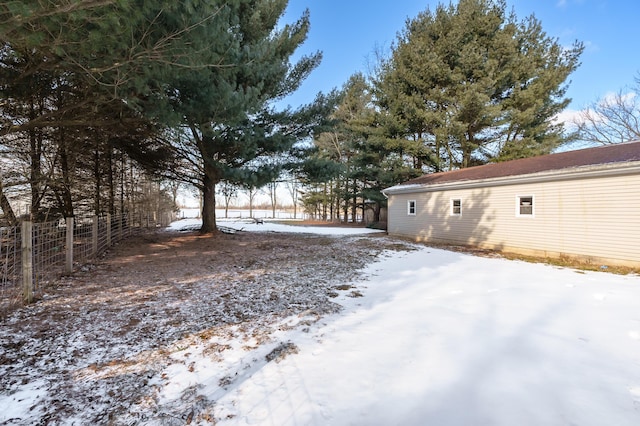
583	204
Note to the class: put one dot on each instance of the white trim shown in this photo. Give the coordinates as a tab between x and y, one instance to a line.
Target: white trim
451	212
519	197
415	207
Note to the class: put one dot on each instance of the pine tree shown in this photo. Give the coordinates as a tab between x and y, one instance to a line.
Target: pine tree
470	84
234	134
356	155
69	77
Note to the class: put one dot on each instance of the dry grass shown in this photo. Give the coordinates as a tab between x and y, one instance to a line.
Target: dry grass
99	342
564	261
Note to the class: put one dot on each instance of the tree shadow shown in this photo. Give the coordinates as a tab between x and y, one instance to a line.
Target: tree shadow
473	226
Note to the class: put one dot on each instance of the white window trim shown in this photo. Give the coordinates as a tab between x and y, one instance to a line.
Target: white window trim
451	212
533	205
415	207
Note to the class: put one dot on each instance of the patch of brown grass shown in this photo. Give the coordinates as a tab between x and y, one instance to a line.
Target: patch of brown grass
563	261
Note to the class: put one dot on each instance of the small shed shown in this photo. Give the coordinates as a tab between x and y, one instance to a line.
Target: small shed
583	204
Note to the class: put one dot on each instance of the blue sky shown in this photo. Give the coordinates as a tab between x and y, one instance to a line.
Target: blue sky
348	32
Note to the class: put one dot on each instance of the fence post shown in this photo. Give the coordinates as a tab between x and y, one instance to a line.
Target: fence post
68	268
108	229
27	261
94	235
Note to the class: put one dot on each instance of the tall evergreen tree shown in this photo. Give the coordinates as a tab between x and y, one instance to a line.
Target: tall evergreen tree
471	84
234	133
71	73
357	155
208	69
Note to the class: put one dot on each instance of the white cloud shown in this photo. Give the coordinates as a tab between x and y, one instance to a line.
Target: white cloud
612	98
569	117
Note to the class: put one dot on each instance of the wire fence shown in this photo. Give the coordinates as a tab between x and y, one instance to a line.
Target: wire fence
10	250
34	255
48	250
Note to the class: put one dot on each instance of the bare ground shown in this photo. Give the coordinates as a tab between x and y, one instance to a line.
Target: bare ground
94	349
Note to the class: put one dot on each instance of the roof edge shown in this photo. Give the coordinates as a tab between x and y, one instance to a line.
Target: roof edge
582	172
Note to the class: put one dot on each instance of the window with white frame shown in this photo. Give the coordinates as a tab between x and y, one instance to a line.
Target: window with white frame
525	205
456	207
411	207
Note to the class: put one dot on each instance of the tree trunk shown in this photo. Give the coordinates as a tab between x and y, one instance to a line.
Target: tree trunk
273	186
295	207
331	198
96	176
131	191
437	155
252	194
111	183
9	215
324	202
174	192
209	201
65	188
122	174
354	201
336	199
292	186
35	178
345	200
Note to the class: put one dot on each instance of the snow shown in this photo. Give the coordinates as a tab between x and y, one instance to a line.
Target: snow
437	337
451	339
295	227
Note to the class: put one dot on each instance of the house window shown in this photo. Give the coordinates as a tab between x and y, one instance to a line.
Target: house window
525	205
411	207
456	207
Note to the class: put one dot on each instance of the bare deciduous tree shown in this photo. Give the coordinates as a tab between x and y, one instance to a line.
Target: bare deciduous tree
293	186
613	119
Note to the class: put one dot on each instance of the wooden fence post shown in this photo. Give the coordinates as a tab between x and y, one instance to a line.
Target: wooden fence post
69	258
27	261
94	236
108	229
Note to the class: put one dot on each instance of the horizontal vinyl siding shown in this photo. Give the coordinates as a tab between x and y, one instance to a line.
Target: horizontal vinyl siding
596	217
434	221
591	217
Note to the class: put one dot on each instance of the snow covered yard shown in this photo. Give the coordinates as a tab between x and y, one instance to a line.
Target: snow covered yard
300	329
444	338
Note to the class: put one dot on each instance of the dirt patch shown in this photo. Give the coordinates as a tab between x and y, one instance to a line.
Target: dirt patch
95	347
281	351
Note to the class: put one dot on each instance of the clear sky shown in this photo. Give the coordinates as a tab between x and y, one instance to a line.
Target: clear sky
348	32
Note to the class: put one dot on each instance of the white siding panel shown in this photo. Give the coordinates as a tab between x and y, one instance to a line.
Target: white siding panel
596	217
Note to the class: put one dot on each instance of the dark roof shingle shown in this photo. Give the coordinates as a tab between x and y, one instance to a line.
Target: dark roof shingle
619	153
